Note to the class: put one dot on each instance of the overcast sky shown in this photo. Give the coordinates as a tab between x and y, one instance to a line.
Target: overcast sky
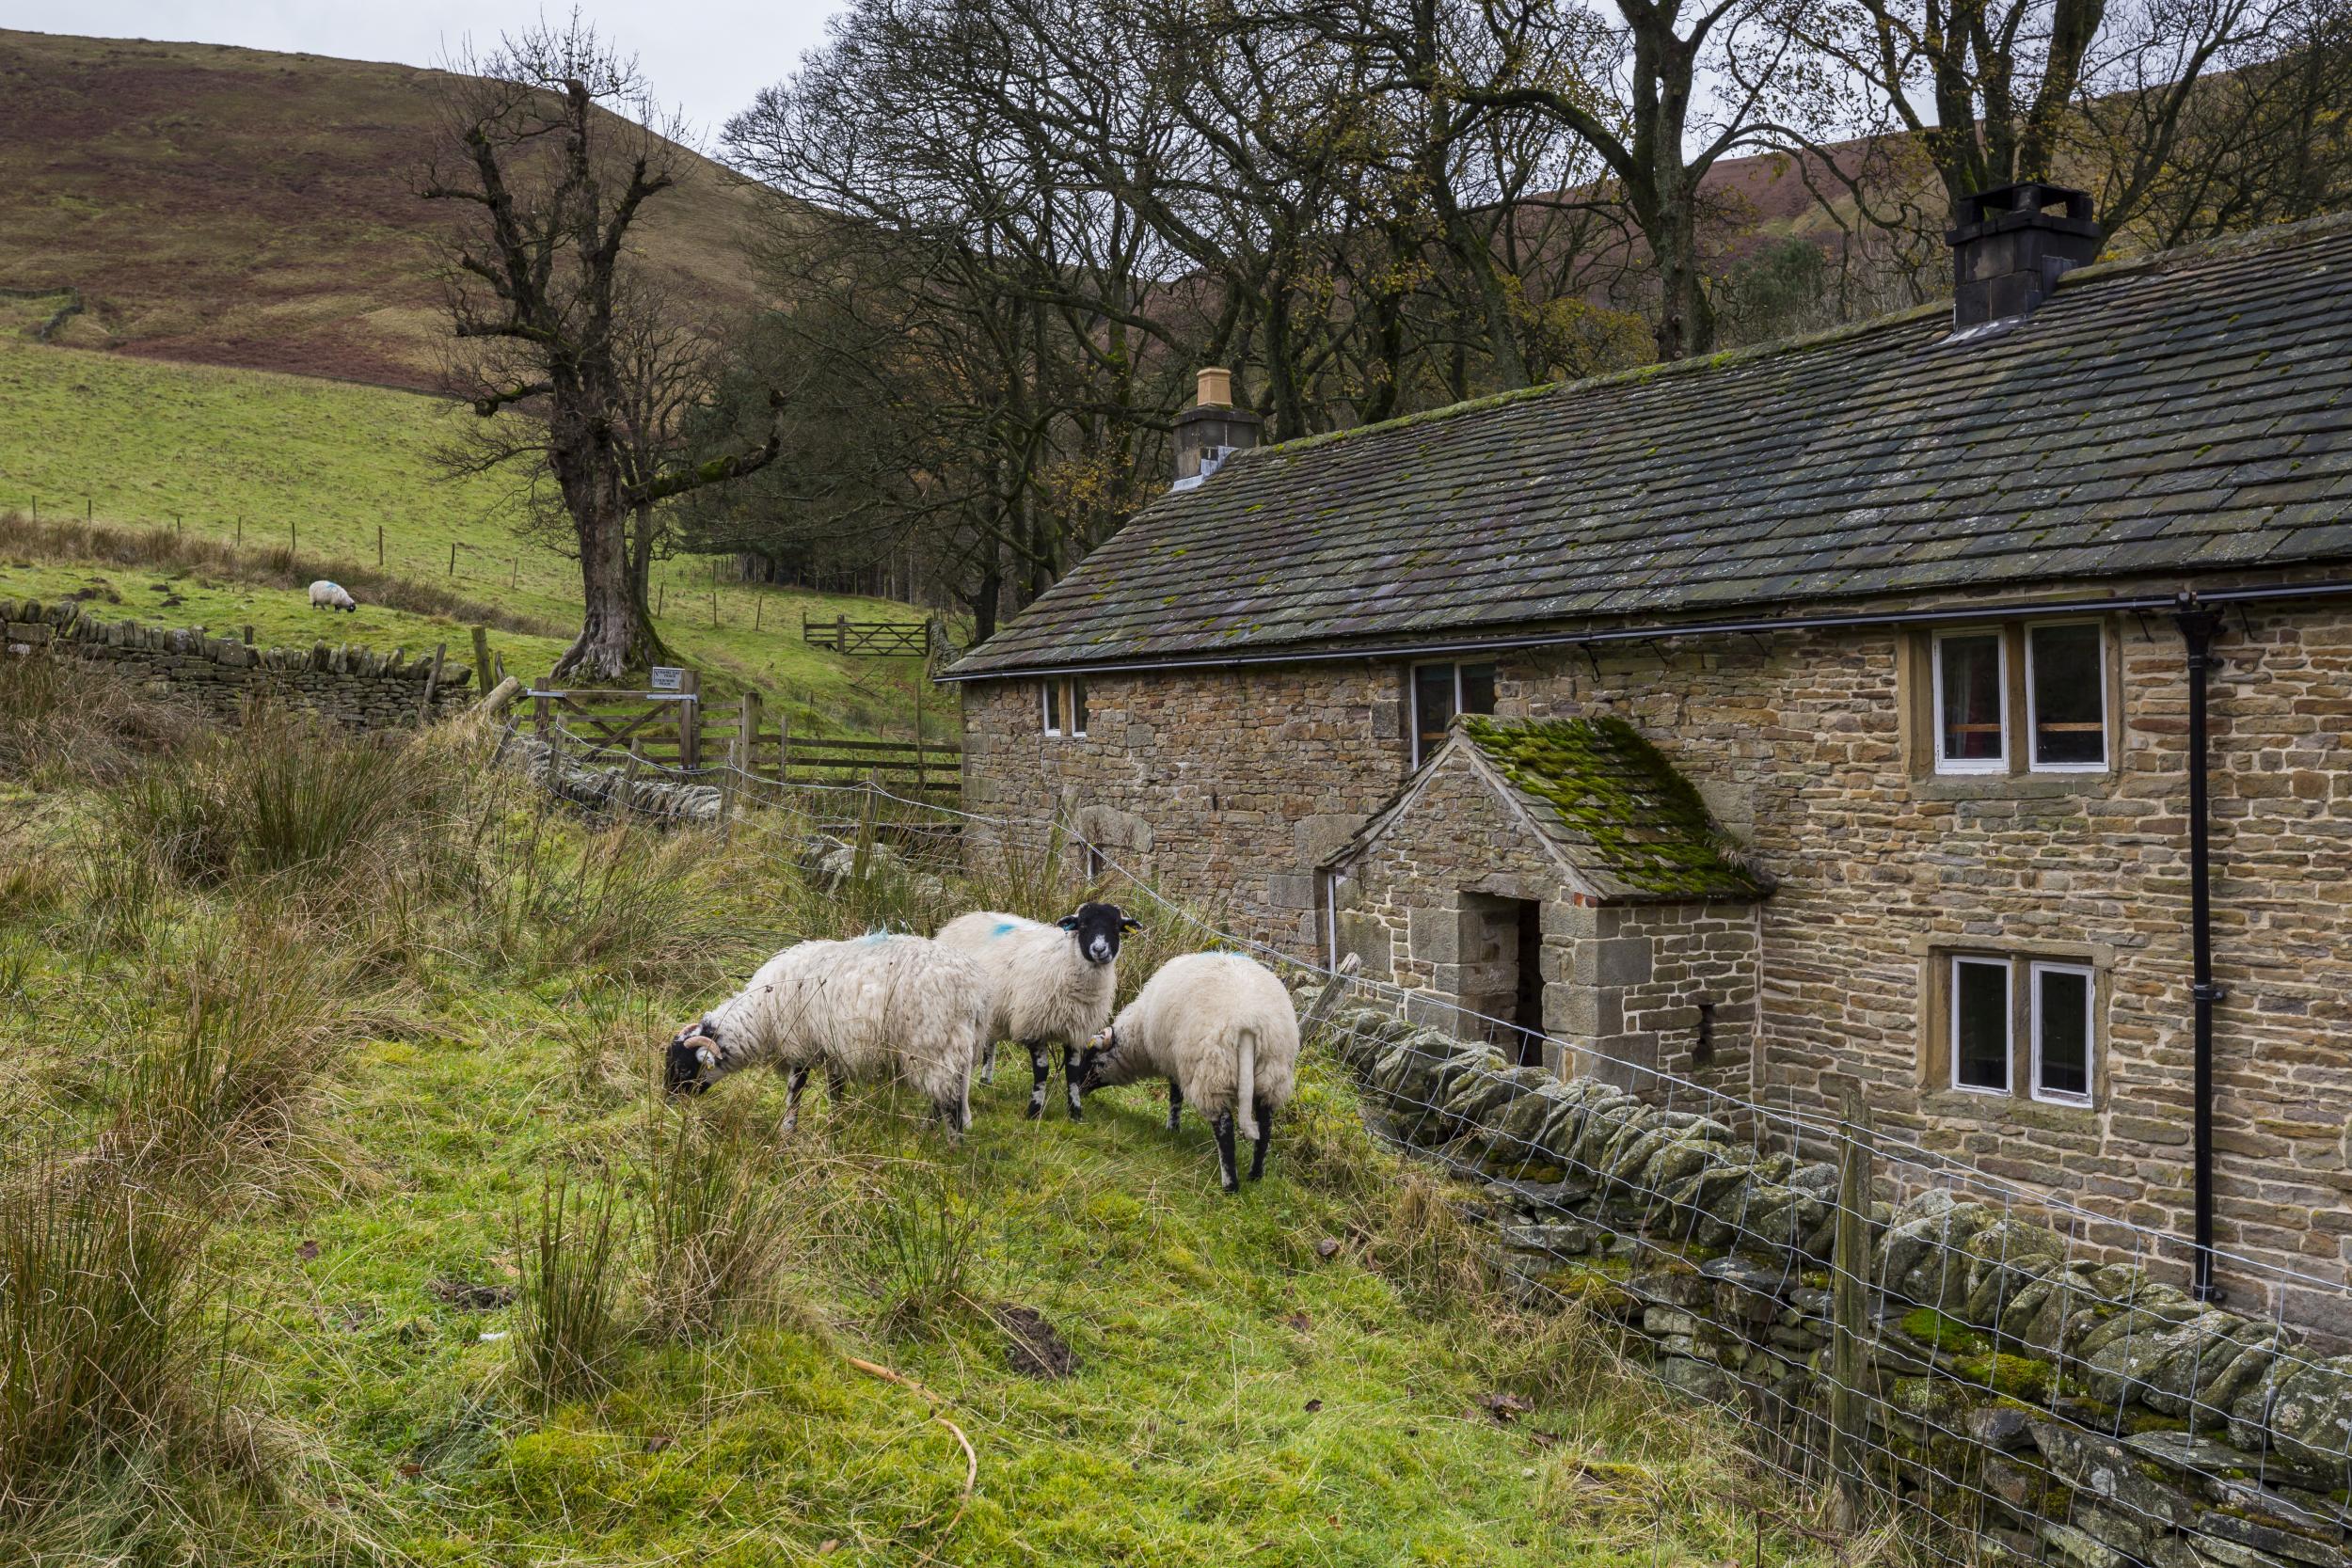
705	56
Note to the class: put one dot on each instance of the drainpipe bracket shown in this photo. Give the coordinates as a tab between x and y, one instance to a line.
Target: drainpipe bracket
2208	992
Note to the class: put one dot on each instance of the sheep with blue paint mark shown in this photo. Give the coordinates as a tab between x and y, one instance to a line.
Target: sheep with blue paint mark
332	595
1222	1030
876	1006
1049	984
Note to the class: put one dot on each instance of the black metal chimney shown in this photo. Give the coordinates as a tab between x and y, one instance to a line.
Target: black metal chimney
1212	430
2007	255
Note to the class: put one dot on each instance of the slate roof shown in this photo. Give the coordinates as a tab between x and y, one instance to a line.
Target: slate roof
1625	824
2185	413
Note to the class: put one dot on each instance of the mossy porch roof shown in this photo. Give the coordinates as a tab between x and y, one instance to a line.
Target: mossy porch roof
2189	412
1632	826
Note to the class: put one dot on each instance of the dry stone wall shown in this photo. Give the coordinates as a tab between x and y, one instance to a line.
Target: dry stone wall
2032	1399
353	687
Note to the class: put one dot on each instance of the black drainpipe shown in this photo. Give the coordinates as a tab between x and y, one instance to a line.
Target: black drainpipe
2197	623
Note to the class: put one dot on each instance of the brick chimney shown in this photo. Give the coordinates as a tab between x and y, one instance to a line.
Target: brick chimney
2007	255
1212	430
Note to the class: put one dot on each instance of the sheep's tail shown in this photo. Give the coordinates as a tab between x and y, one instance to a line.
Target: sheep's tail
1246	1090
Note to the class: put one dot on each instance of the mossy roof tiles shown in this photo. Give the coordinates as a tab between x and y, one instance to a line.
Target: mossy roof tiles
2190	412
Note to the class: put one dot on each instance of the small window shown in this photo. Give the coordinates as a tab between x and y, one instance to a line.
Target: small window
1065	707
1971	672
1439	692
2063	1032
2066	697
1980	1024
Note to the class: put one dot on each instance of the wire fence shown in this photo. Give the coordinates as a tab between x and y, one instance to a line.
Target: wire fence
1950	1348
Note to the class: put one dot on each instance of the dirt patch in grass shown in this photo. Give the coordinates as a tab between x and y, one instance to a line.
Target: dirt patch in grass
1033	1347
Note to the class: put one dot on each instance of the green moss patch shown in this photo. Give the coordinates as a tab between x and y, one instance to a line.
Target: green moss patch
1616	796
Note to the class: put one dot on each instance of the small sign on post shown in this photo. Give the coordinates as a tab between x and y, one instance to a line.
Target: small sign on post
666	678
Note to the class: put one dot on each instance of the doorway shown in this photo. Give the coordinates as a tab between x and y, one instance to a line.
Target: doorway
1501	978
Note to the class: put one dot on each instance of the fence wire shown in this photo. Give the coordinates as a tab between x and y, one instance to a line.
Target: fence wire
2012	1388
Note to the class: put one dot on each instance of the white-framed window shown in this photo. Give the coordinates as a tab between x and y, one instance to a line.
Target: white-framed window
1064	702
1439	692
2066	697
2065	1031
1970	674
1983	1039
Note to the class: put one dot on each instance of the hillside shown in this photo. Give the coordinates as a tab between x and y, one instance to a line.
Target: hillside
263	461
238	207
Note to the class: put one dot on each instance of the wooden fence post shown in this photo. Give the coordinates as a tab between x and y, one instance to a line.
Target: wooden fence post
747	757
379	544
689	722
784	746
1849	1306
1328	1000
539	717
726	784
432	681
482	660
862	860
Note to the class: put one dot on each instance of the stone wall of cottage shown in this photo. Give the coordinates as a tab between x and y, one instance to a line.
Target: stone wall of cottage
353	687
1803	745
1227	787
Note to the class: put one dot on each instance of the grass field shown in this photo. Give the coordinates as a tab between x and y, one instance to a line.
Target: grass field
267	461
332	1080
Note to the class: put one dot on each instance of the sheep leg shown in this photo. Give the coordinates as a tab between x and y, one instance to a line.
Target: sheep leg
1223	1125
1266	1134
836	1088
1175	1104
988	1064
1038	1071
1069	1082
793	1086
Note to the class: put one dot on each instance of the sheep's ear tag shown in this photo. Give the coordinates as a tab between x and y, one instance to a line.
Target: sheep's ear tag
1131	925
1067	923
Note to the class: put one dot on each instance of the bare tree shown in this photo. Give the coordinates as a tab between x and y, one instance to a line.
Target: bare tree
551	148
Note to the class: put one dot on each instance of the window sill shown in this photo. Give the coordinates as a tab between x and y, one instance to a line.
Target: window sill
2010	786
1962	1104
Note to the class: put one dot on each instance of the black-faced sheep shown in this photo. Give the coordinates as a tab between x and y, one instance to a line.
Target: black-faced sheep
330	596
1221	1030
1051	985
876	1006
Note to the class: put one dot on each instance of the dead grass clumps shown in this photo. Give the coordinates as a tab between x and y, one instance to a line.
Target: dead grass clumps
721	1222
62	720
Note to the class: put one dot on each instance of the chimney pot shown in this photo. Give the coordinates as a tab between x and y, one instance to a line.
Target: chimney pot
1212	430
2010	250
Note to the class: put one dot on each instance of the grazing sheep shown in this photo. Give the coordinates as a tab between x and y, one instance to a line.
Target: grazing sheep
330	596
1221	1030
872	1007
1051	984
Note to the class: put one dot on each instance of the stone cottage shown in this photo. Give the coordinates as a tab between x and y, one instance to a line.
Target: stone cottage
1951	708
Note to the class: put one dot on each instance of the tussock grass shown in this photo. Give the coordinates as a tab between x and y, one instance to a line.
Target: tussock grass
723	1220
63	722
568	1328
285	795
916	1233
109	1348
230	1084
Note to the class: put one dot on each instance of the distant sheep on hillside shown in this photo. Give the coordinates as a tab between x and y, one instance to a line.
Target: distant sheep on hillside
330	596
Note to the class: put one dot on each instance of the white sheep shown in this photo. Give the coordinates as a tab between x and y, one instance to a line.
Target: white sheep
330	596
871	1007
1051	985
1220	1028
